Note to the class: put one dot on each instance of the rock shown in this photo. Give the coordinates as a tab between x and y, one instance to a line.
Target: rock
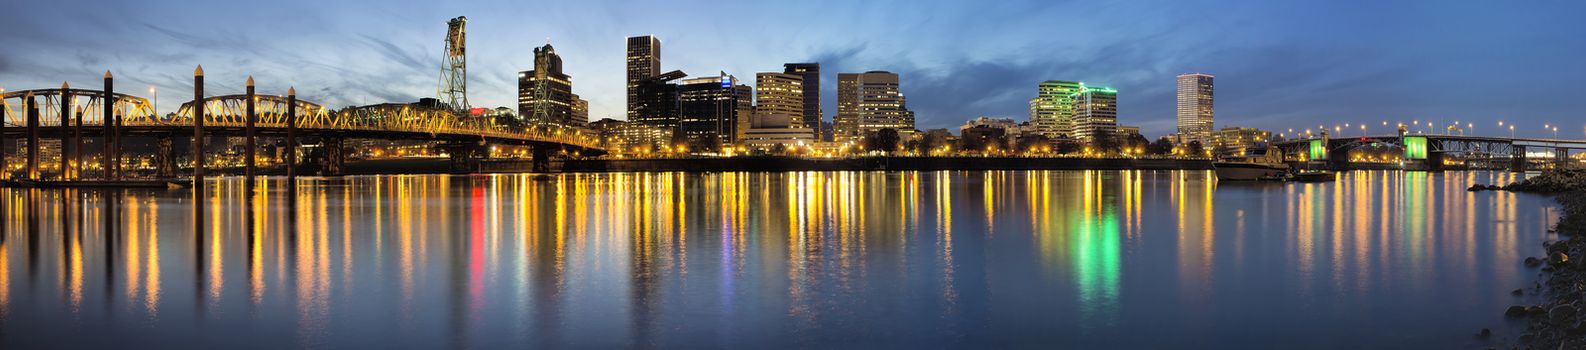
1532	261
1535	311
1558	258
1561	314
1514	311
1484	333
1517	291
1477	188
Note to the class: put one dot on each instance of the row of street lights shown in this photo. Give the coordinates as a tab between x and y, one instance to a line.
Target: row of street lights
1415	126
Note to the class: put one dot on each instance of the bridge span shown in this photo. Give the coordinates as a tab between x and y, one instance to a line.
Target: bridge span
71	115
1436	152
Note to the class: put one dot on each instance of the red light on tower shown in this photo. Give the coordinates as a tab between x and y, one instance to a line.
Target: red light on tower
476	111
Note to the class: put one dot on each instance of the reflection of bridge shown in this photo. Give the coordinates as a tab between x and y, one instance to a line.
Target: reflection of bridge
1438	152
71	115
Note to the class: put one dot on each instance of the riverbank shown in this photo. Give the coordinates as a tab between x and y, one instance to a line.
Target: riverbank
870	163
1557	323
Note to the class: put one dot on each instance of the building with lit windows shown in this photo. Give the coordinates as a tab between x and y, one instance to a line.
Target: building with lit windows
1095	113
655	113
1195	108
712	110
1052	109
554	105
1235	139
810	83
868	102
644	62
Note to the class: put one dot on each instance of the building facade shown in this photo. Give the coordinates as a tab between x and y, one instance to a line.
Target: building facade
644	62
713	111
554	105
1095	114
1239	139
1195	108
810	84
1052	109
655	110
868	102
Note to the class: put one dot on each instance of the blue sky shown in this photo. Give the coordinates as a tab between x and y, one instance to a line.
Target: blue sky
1279	64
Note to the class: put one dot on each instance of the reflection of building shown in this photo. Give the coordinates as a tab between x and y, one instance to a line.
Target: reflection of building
1052	109
553	106
644	62
711	110
1095	113
1195	108
1236	138
868	102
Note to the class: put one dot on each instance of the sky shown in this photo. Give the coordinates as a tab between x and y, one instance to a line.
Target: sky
1278	64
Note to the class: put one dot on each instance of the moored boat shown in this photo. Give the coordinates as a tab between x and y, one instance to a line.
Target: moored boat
1266	167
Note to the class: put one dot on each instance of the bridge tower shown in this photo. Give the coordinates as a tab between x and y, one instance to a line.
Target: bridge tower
453	88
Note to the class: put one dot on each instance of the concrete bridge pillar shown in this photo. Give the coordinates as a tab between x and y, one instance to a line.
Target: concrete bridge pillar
464	156
335	156
107	149
32	138
1434	161
65	127
541	160
291	133
1560	157
1517	156
165	157
248	133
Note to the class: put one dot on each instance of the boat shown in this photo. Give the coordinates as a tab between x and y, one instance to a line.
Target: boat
1245	168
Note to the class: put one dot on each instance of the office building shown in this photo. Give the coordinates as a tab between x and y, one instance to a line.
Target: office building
644	62
1095	114
810	83
868	102
713	111
1052	109
554	105
1195	108
655	114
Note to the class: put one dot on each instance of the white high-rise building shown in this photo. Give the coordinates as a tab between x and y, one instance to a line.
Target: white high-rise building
1195	108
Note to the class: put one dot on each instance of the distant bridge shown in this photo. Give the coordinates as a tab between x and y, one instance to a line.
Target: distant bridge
84	114
1437	151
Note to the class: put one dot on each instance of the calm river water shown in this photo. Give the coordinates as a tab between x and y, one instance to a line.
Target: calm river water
1088	259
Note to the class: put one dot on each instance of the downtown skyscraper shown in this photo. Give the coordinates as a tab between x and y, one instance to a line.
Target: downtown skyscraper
1195	108
868	102
810	84
1095	114
713	111
644	62
1052	109
545	94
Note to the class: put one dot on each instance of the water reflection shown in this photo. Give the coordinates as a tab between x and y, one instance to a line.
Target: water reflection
732	259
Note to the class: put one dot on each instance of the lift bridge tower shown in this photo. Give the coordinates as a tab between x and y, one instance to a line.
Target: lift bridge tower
453	87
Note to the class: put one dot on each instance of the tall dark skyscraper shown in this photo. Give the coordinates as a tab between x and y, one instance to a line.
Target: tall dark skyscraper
545	95
654	110
812	91
713	110
644	61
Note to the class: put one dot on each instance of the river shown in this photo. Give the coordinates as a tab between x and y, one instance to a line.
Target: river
1086	259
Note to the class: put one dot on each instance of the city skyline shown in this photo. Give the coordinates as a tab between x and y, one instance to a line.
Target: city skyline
1289	76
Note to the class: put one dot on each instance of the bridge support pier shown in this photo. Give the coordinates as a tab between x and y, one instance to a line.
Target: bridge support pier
1517	156
1337	162
335	156
1560	158
464	156
165	157
65	127
541	160
33	138
1434	161
250	160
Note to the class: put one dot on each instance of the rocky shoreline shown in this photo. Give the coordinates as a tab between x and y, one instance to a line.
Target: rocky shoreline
1557	322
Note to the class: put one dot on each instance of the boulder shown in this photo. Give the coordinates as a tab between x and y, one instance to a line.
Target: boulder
1517	291
1532	261
1514	311
1562	313
1558	258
